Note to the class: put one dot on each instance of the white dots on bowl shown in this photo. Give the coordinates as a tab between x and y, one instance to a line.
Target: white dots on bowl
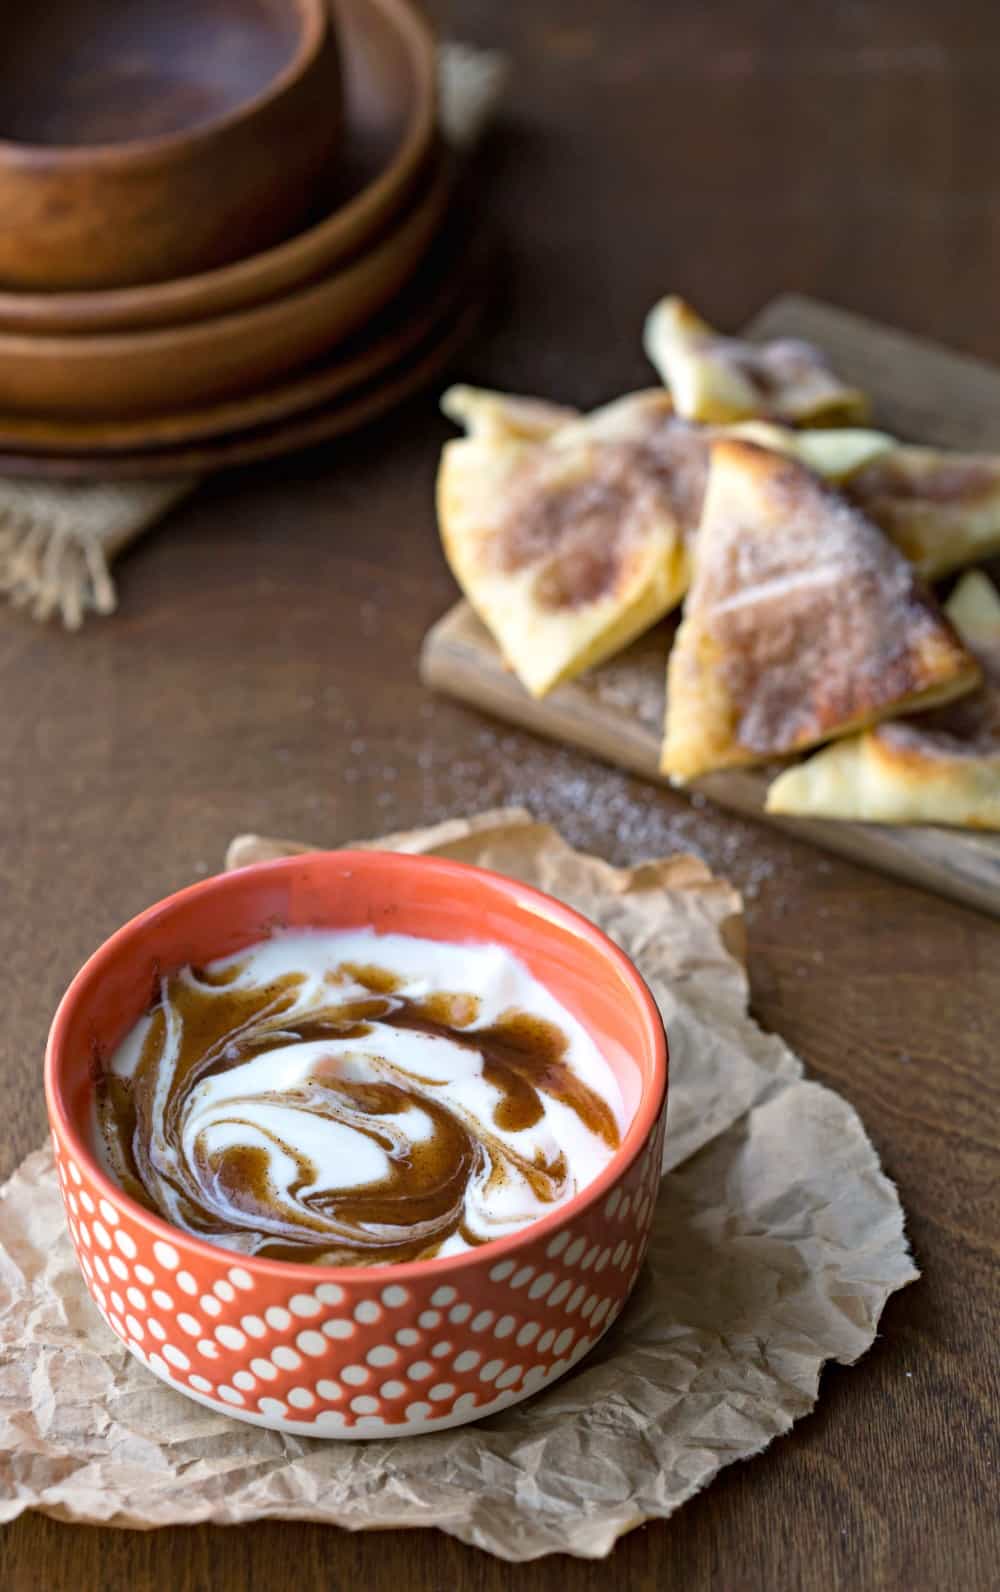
392	1389
612	1203
74	1172
465	1401
590	1257
208	1349
118	1266
224	1290
231	1394
188	1323
136	1297
501	1270
277	1317
186	1282
417	1412
128	1246
100	1296
626	1259
441	1391
564	1340
74	1203
87	1202
521	1277
286	1358
303	1304
329	1421
557	1368
444	1296
600	1312
429	1319
367	1312
528	1333
253	1326
589	1307
419	1371
230	1337
240	1278
156	1328
512	1374
166	1254
459	1313
158	1364
163	1299
557	1245
328	1389
210	1304
176	1357
491	1370
534	1378
264	1369
575	1301
574	1251
602	1259
407	1337
504	1327
201	1384
118	1301
382	1354
364	1404
337	1327
102	1235
441	1349
134	1327
84	1234
482	1321
394	1297
541	1285
546	1341
467	1360
312	1343
355	1375
109	1213
101	1269
301	1397
559	1293
142	1273
616	1258
272	1407
88	1269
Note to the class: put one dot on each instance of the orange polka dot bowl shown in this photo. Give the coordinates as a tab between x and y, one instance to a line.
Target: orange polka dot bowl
361	1351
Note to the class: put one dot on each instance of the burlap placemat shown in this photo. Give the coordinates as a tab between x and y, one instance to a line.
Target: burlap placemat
776	1243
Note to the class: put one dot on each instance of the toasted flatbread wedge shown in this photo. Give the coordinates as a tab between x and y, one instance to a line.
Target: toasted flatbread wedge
568	547
803	622
942	509
504	415
721	379
941	767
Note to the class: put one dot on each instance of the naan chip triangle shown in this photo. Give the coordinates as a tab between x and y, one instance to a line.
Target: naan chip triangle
941	767
941	509
569	545
721	379
803	622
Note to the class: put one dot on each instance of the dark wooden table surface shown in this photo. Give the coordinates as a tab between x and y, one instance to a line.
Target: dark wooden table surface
261	675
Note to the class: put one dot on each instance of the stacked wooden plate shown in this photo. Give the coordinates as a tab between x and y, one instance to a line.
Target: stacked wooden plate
290	152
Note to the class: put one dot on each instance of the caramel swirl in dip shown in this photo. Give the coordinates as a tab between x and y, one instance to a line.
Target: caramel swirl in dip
326	1097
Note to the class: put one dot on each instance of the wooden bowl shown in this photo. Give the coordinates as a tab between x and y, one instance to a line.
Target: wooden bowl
390	108
145	373
142	140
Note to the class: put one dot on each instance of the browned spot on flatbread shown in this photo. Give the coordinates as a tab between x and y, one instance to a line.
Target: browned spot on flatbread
968	728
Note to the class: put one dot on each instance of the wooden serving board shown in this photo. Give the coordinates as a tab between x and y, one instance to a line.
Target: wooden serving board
921	392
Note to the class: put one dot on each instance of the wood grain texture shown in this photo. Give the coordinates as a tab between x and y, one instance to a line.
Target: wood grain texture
261	675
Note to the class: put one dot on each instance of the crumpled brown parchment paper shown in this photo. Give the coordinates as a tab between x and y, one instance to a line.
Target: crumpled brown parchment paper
777	1241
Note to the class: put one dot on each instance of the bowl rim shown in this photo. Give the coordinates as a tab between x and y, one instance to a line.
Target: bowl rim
651	1103
397	175
314	33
